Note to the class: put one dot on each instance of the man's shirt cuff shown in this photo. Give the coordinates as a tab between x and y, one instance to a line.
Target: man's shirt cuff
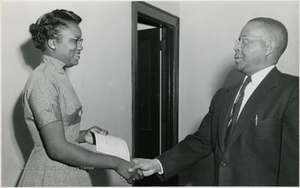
162	170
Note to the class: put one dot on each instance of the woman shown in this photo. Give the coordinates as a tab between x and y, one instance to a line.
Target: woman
53	111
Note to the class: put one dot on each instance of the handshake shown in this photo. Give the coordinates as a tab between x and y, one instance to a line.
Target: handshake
139	169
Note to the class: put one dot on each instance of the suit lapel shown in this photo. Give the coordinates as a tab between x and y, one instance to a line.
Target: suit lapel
226	106
256	99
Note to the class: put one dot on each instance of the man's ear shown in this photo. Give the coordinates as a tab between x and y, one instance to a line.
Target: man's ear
270	47
51	43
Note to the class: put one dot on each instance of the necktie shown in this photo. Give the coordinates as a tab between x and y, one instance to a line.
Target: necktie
236	108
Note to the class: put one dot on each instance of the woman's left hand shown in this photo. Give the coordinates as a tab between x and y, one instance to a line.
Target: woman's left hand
89	137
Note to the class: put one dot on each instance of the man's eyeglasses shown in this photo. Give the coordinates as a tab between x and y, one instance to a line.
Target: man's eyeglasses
245	40
77	40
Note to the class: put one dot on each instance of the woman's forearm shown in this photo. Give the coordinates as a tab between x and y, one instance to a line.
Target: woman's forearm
75	155
59	149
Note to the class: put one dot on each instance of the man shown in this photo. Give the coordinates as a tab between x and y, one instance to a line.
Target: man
251	128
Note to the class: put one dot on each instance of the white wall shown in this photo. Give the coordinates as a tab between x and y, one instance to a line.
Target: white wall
103	77
207	36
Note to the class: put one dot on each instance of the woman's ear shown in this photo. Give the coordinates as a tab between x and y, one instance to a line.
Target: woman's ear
52	43
270	47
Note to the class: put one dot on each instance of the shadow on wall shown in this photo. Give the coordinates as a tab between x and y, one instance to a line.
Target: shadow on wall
32	57
23	138
22	133
202	173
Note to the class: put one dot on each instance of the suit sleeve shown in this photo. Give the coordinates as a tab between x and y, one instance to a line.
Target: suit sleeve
192	149
289	161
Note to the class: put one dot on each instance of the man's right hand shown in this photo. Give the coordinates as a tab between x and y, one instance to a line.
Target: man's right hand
147	166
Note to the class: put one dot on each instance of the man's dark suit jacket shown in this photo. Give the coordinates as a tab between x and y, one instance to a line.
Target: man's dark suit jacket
265	153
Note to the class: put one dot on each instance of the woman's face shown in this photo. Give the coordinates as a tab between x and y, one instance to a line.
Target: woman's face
68	47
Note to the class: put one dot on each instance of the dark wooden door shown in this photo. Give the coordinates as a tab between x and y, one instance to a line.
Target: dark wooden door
147	131
150	126
148	88
155	66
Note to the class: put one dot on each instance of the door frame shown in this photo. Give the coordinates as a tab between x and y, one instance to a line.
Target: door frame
144	12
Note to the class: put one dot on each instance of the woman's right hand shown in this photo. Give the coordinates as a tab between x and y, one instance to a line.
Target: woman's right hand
122	170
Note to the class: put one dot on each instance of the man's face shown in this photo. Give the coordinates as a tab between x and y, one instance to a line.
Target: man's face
68	49
250	49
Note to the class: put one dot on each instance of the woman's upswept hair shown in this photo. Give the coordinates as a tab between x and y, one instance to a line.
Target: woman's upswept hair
48	26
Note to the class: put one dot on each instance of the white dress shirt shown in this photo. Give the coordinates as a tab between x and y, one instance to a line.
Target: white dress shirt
255	81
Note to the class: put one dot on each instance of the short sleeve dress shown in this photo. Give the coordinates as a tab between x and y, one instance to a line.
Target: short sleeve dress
48	97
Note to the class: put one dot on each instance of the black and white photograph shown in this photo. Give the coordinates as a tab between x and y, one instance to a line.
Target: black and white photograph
149	93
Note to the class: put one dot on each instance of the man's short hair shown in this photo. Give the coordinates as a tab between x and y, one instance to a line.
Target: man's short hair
277	30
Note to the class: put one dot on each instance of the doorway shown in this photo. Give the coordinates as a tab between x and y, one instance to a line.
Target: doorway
155	47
